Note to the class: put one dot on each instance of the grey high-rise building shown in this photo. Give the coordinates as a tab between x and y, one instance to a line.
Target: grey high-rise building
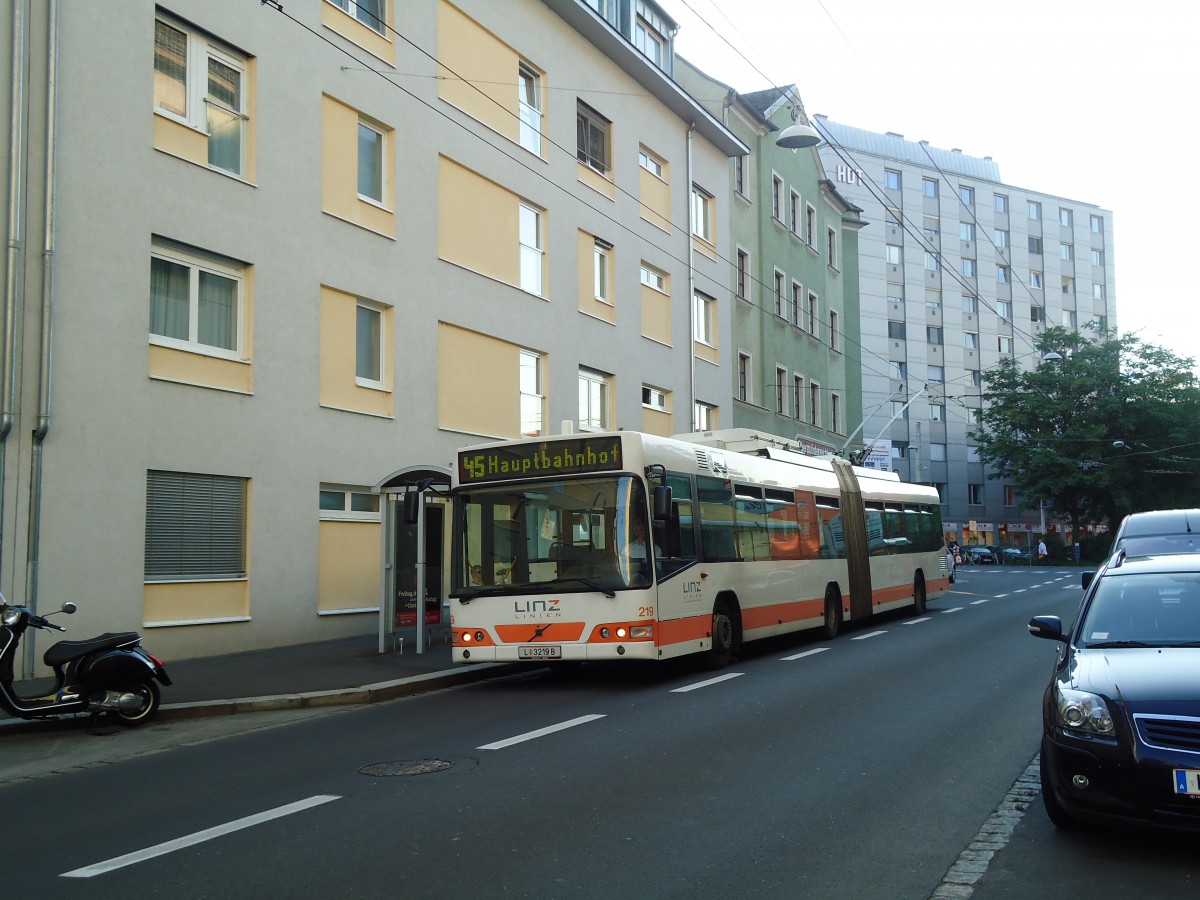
958	269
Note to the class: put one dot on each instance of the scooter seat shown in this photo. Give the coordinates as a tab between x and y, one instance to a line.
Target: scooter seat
65	651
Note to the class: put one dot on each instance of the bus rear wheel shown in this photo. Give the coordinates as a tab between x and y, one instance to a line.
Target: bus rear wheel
833	615
919	595
724	636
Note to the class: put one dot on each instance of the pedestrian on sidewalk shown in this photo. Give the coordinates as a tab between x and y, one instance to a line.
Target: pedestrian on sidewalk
1042	552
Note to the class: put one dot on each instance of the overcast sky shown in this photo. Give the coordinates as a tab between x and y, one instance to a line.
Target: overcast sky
1091	101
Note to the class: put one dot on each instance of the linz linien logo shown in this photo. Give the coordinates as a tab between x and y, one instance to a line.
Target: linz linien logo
539	609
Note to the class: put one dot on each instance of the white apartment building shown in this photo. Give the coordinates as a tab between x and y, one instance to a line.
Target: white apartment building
957	269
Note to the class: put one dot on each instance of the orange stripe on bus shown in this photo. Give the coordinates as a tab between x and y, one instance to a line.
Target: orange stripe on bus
782	613
677	631
535	631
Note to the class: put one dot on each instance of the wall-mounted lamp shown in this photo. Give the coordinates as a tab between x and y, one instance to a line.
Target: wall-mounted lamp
799	134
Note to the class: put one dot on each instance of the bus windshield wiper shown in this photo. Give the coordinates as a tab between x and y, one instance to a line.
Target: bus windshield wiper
487	591
586	582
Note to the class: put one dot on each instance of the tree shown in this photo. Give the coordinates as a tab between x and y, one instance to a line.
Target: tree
1110	426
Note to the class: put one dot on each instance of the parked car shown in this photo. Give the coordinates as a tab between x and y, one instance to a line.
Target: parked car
1121	714
982	556
1014	554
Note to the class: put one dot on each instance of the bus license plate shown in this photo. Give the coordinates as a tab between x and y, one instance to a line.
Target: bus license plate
539	652
1187	781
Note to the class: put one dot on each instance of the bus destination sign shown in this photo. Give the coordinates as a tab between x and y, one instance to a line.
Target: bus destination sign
571	456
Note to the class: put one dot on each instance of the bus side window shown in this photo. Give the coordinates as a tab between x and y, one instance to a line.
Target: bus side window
715	499
783	524
810	525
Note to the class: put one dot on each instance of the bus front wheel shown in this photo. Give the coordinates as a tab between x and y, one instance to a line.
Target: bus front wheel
833	615
724	636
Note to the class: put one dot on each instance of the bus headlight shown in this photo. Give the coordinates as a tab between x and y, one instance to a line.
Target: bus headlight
605	633
641	632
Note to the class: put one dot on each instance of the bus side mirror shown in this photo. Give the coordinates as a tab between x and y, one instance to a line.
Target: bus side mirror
412	507
662	503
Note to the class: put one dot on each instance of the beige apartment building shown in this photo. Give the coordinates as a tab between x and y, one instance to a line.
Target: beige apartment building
260	257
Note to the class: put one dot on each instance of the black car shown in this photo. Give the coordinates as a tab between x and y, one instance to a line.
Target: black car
981	556
1121	715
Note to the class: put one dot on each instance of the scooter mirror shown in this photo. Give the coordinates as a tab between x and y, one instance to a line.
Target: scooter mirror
69	607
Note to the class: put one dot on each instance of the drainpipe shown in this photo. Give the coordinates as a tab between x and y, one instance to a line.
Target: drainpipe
47	299
691	413
16	164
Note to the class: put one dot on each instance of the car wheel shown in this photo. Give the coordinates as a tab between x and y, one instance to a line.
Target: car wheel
1054	810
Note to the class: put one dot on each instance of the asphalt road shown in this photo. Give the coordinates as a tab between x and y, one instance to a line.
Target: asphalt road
863	767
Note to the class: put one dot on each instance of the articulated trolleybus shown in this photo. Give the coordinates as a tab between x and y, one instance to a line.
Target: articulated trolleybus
622	545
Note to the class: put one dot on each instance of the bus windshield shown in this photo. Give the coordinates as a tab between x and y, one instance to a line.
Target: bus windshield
577	534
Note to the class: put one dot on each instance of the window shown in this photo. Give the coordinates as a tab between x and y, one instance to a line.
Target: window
593	399
1002	274
530	102
1035	279
339	502
975	494
781	390
1097	224
929	187
702	214
798	397
1035	245
1069	320
898	370
195	527
896	331
369	12
814	317
1001	202
650	162
1097	257
591	138
933	334
966	231
930	226
654	398
653	278
973	455
530	236
1010	495
370	162
970	303
1003	239
532	399
937	452
1004	309
969	268
835	414
794	213
831	247
195	302
891	179
601	263
1004	344
704	416
966	195
971	340
650	37
1065	218
937	374
834	333
776	198
1035	209
201	84
931	261
899	450
814	404
899	409
933	298
1068	285
937	412
368	345
797	304
705	312
743	274
739	174
780	296
895	255
1066	251
745	386
1097	291
810	224
974	378
1037	314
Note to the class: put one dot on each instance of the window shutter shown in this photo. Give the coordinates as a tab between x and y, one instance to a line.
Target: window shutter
195	526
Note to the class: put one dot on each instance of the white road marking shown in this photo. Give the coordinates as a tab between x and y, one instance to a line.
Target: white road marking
977	602
804	654
541	732
707	683
952	609
198	837
998	596
863	637
918	621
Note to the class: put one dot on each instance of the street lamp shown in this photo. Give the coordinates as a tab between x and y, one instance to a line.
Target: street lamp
799	134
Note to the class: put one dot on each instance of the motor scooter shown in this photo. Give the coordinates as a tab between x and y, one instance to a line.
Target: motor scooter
108	673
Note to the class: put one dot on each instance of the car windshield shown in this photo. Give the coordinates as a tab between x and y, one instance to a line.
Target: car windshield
1145	610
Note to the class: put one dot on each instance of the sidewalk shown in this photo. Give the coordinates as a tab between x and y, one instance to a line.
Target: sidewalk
326	673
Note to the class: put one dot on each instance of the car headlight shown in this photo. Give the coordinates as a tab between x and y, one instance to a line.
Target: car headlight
1084	712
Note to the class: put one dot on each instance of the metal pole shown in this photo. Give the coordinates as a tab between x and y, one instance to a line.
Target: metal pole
421	576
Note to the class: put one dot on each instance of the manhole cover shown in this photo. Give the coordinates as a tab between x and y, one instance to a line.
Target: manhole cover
405	767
